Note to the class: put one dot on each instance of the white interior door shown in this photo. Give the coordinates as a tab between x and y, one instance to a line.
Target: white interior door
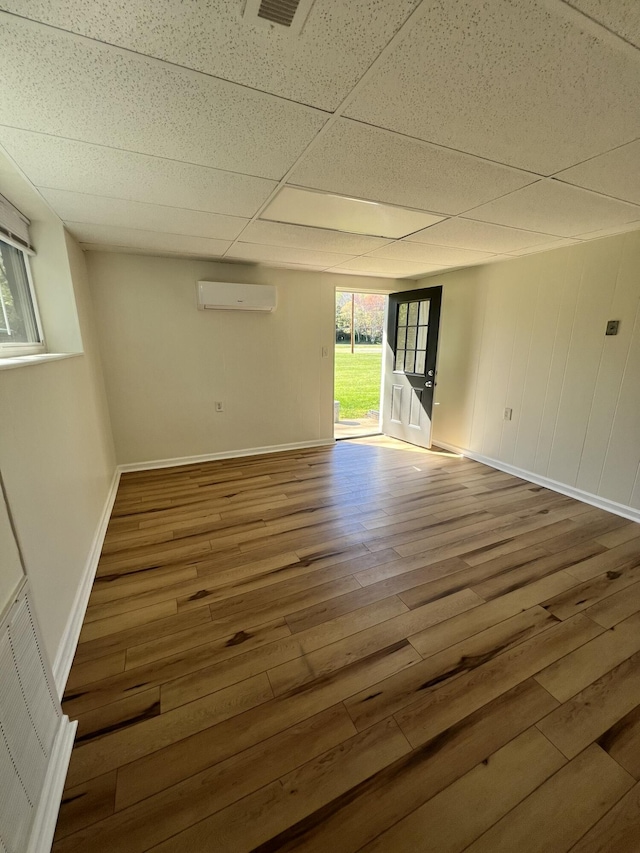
409	374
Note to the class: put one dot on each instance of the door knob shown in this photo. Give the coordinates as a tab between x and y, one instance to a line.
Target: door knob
428	384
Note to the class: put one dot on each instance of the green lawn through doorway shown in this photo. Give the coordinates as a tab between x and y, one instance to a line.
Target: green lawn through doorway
357	379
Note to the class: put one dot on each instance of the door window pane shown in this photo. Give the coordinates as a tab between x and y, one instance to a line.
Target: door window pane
409	360
411	336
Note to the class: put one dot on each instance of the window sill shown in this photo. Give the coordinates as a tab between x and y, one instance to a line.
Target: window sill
13	361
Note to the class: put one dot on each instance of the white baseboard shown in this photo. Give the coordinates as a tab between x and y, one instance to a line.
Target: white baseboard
571	491
226	454
69	642
44	823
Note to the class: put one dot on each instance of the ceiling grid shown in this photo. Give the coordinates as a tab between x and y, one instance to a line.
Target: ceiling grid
390	139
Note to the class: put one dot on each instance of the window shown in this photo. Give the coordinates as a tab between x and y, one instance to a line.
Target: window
411	337
20	332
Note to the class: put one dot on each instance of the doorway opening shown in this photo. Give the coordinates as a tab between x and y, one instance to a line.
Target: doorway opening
360	319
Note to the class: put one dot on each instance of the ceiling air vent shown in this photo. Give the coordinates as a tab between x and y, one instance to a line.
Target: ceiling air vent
283	13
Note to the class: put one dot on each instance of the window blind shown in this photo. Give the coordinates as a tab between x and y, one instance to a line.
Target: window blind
14	227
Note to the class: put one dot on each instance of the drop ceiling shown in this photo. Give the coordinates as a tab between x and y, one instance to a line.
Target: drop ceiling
393	139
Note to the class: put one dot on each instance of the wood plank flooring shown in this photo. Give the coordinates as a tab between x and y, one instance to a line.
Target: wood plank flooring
366	647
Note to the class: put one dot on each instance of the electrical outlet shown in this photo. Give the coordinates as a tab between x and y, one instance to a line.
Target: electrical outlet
507	414
219	406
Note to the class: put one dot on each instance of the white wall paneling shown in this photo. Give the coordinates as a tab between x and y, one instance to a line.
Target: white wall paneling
530	335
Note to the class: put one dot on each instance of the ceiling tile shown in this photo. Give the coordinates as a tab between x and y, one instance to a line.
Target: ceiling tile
556	208
546	247
299	237
354	215
616	173
610	232
618	16
131	250
439	256
354	159
384	267
319	67
76	166
282	254
99	210
510	80
151	240
481	236
97	93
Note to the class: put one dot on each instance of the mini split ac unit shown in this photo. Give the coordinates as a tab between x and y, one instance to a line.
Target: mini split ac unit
224	295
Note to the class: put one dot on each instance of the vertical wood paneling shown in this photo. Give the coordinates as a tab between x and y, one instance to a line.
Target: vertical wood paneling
623	454
614	358
526	303
537	377
601	261
567	274
485	362
504	298
458	355
635	497
542	351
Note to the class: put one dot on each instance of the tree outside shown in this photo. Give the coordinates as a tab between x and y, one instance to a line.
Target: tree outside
368	317
357	373
10	319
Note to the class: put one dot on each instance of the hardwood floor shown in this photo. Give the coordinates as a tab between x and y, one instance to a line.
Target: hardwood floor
362	647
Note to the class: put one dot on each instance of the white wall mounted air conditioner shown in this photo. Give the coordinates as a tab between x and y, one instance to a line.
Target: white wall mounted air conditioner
236	297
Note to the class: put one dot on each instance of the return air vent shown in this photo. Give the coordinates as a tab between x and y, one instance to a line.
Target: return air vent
282	13
278	11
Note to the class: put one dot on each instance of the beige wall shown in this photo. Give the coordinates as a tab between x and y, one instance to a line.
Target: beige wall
10	566
529	334
166	363
56	450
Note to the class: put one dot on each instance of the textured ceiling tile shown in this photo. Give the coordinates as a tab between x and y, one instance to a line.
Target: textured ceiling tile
151	240
63	164
610	232
299	237
481	236
100	210
619	16
546	247
319	67
282	254
357	160
555	208
439	256
385	267
616	173
96	93
509	80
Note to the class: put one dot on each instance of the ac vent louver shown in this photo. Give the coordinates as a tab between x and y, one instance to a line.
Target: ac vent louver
279	11
289	14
